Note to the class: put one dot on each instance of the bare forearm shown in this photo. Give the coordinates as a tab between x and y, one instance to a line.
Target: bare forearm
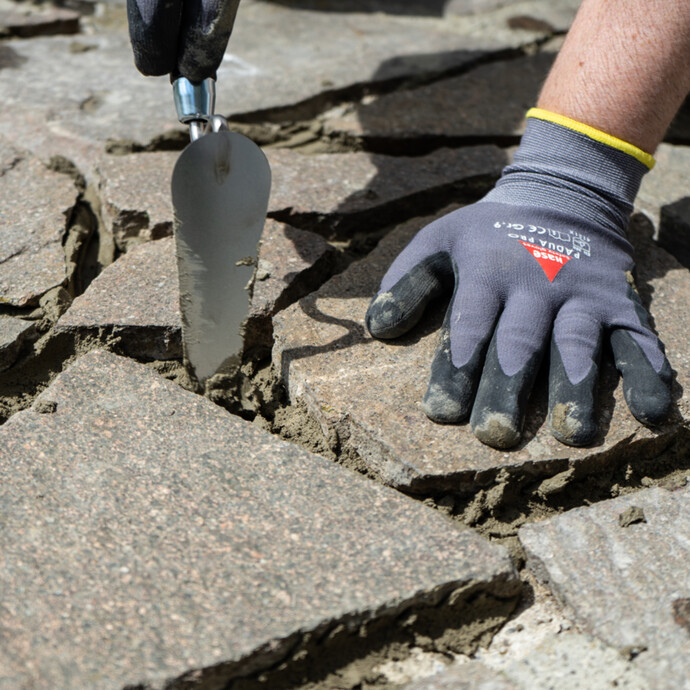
624	68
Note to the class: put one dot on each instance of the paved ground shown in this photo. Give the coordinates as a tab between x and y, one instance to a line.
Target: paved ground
155	538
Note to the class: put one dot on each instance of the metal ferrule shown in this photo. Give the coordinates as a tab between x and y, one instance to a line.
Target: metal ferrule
194	102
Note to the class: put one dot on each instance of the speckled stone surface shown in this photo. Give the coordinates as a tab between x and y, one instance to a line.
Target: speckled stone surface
29	21
136	299
12	334
665	199
360	190
36	203
621	582
472	675
147	533
135	195
370	391
489	101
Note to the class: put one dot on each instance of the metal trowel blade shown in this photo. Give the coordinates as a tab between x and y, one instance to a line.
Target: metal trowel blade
220	189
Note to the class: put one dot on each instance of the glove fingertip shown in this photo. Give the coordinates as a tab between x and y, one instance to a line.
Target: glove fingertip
495	429
570	426
385	319
651	407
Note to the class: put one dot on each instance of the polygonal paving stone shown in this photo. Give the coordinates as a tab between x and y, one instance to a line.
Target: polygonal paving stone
665	199
30	21
13	332
277	57
136	299
489	101
35	209
147	534
367	393
623	582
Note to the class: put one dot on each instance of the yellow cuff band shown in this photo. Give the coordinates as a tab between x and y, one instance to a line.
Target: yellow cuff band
645	158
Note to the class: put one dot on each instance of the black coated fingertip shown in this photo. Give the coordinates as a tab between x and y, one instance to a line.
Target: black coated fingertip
572	409
448	398
498	413
647	392
386	319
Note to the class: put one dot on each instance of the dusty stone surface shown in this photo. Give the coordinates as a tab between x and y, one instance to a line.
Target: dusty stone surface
665	199
367	393
135	195
134	301
472	675
12	334
30	21
622	582
339	193
148	533
36	206
490	100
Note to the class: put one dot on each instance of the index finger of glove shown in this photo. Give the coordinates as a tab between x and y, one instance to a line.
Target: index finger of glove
154	27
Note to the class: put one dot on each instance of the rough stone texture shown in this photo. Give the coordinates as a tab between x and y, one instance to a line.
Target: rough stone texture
621	582
111	100
12	334
135	195
472	675
135	301
338	194
36	204
334	194
368	392
488	101
665	199
147	533
30	22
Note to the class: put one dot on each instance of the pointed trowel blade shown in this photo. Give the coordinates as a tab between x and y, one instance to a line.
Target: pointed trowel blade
220	189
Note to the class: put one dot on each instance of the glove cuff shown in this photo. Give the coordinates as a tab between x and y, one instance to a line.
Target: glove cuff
567	165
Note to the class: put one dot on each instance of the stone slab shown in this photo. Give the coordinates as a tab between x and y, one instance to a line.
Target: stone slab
621	582
36	204
147	534
368	392
136	299
472	675
664	198
360	48
489	101
28	22
13	332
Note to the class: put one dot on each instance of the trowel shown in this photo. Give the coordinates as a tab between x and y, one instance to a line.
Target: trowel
220	189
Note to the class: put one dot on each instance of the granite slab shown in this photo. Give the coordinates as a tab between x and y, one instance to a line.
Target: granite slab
664	198
28	22
367	393
136	300
472	675
149	536
622	582
35	210
487	102
13	333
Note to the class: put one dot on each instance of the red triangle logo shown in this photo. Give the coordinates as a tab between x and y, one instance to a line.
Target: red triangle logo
550	261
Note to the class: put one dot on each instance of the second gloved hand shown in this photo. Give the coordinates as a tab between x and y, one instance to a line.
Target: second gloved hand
540	265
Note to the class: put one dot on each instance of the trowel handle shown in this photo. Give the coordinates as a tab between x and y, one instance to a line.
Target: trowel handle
194	103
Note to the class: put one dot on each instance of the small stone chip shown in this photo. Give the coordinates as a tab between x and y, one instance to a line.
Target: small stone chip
631	516
681	613
247	261
45	406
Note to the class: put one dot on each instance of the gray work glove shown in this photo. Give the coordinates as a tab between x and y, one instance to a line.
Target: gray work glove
183	38
542	258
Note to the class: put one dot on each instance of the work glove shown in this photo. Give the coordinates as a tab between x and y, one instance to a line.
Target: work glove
183	38
543	258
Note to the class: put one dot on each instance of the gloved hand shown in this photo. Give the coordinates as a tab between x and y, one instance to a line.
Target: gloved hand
543	257
184	38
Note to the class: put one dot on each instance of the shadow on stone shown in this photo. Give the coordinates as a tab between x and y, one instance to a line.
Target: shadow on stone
674	224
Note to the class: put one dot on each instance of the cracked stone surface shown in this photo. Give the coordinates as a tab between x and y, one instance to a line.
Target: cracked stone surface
488	101
621	582
255	75
665	199
339	193
148	533
368	392
135	299
33	221
13	332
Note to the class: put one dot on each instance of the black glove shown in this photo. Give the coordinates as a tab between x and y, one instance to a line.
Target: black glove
183	38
